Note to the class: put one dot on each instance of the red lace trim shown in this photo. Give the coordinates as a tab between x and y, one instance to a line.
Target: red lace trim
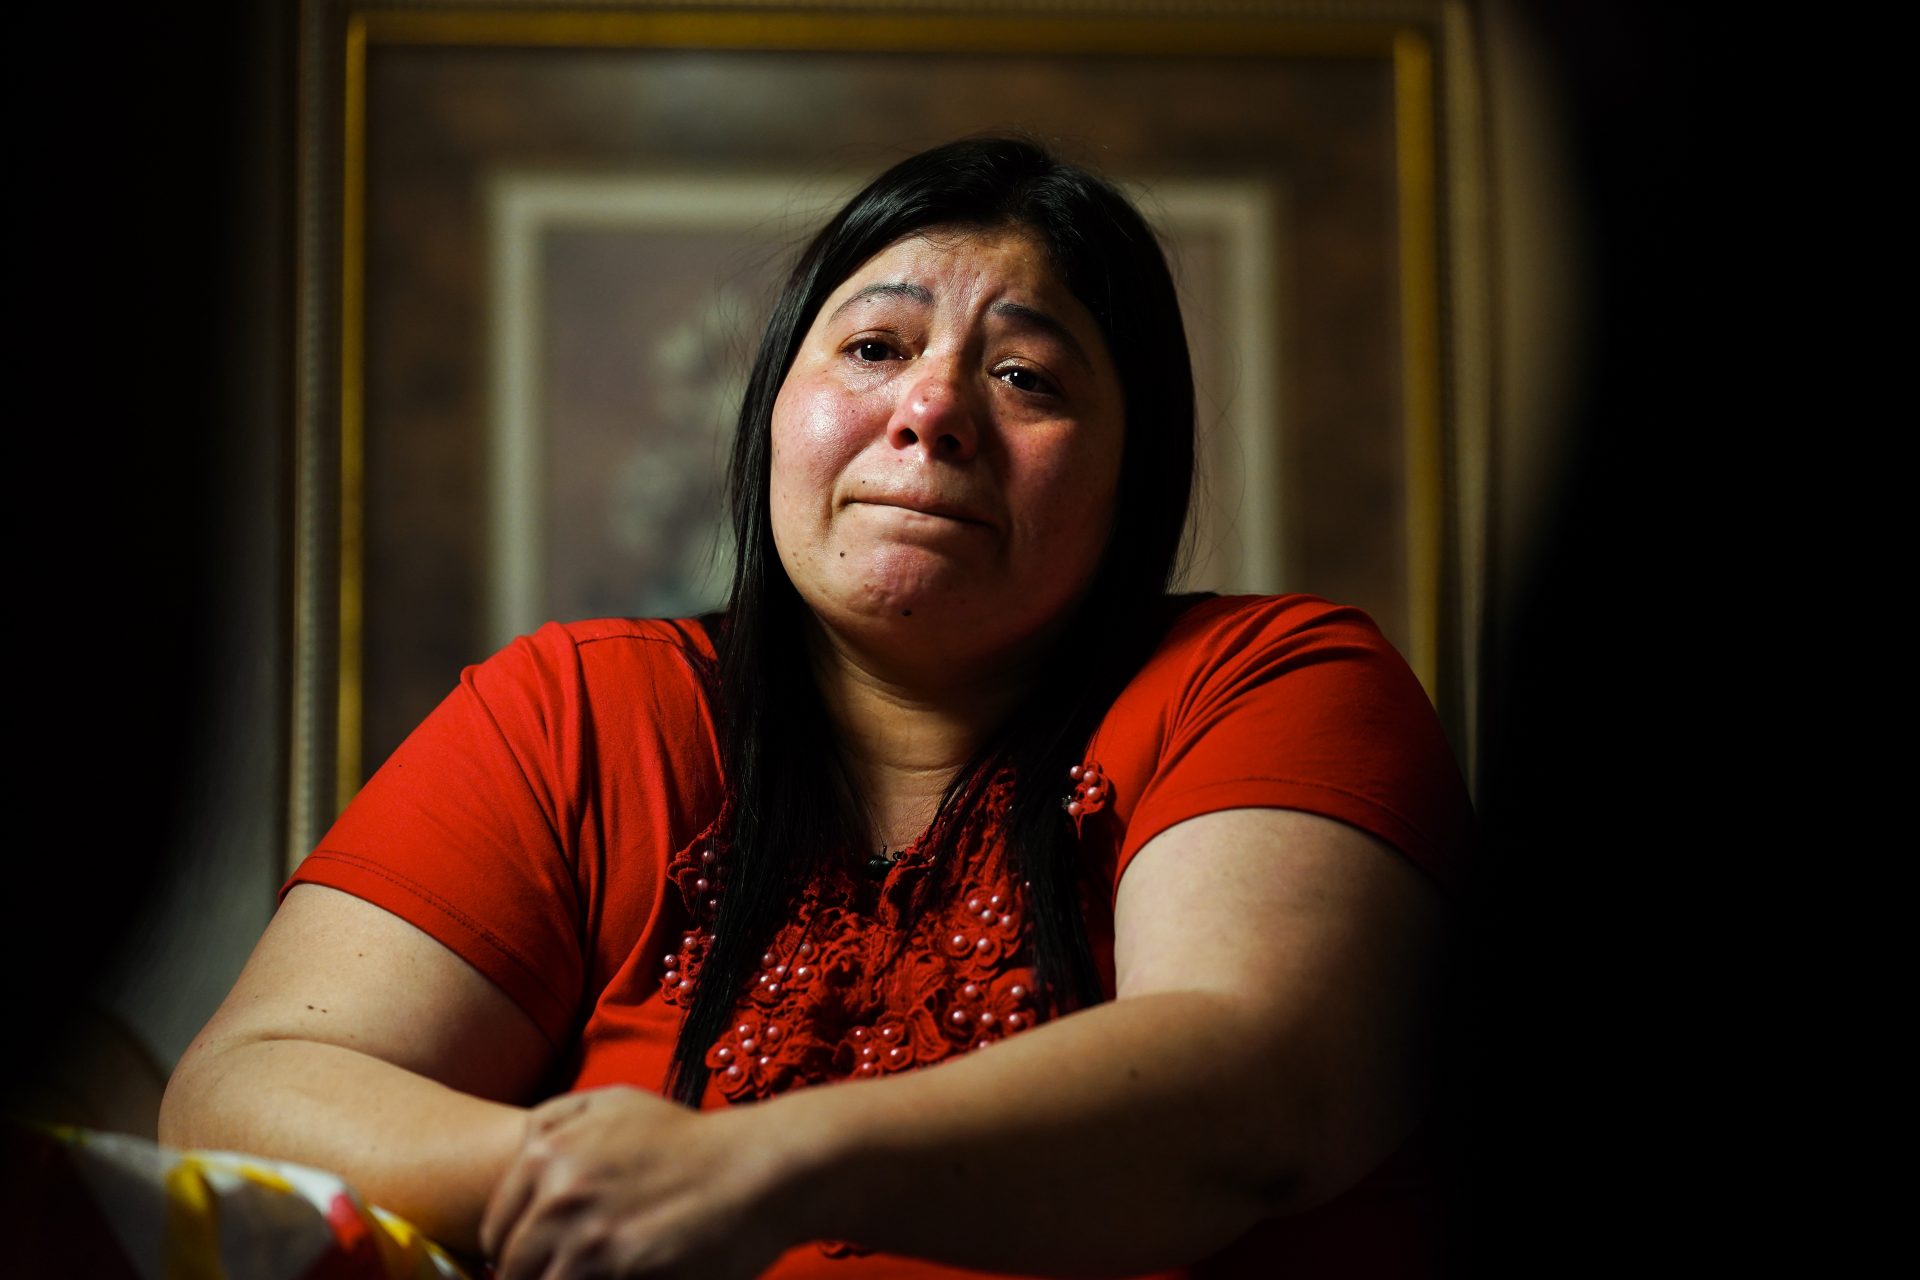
844	994
847	994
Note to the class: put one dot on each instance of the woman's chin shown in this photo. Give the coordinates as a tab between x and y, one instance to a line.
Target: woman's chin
889	604
914	605
904	584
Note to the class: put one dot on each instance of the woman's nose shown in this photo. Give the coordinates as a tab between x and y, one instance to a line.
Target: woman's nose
936	414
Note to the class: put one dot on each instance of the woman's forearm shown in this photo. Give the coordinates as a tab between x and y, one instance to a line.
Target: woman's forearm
1138	1134
427	1152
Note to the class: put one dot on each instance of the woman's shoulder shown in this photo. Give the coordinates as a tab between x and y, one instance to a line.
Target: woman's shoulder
1218	642
618	675
1212	628
1283	702
594	650
636	639
1205	610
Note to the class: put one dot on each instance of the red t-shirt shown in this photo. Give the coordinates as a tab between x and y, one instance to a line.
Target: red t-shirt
553	822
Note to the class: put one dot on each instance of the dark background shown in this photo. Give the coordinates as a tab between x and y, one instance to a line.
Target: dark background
153	191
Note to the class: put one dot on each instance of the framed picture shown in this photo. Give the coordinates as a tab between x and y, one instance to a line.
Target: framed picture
538	245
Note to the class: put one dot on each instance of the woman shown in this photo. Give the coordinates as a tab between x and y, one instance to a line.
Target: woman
1119	912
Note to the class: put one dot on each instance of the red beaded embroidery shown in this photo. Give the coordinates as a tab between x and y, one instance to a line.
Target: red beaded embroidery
1090	793
928	973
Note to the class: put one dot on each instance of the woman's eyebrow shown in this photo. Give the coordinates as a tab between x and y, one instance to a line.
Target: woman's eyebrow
1024	314
887	289
1018	312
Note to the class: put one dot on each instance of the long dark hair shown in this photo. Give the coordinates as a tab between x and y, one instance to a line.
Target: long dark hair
789	800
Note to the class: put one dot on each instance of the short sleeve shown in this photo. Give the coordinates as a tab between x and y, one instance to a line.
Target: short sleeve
1286	702
463	832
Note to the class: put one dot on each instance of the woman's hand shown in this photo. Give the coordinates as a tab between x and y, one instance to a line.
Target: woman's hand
621	1183
1261	1074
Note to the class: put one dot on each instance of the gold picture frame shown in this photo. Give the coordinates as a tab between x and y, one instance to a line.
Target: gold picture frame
1413	61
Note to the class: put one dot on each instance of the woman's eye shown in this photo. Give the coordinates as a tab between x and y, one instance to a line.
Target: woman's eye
1023	379
871	351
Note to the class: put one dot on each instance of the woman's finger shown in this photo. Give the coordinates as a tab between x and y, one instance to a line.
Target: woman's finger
509	1199
530	1248
555	1112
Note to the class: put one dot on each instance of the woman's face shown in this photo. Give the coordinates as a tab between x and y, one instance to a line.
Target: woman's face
946	448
